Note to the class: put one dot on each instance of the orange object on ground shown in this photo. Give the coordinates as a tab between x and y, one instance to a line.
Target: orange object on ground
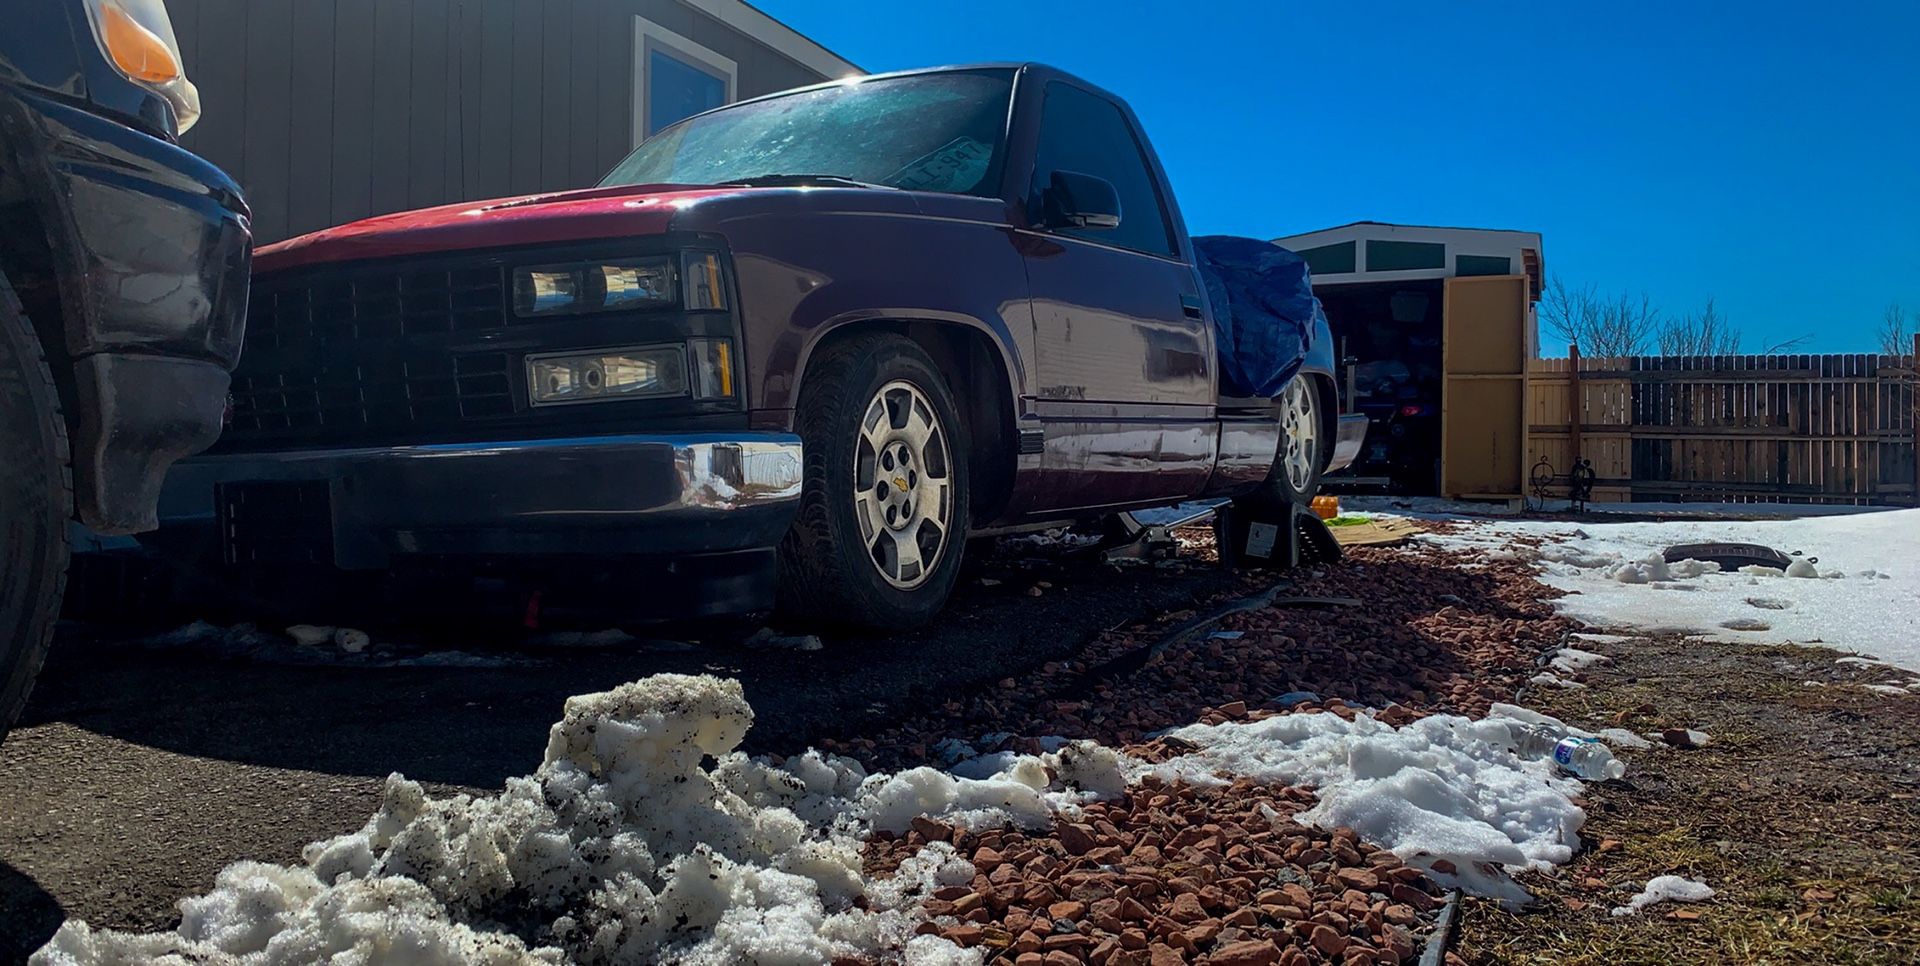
1326	507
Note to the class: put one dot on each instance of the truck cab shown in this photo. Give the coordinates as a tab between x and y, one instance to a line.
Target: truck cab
794	349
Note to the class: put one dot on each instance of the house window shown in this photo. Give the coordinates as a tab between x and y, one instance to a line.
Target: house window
1402	256
1482	265
675	78
1334	259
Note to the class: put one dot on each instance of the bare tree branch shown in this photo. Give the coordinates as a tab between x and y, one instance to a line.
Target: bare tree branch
1612	326
1896	330
1793	343
1703	333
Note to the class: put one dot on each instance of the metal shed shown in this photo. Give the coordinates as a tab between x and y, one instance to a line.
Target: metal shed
327	111
1446	314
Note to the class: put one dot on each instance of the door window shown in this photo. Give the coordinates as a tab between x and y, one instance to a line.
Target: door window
1083	132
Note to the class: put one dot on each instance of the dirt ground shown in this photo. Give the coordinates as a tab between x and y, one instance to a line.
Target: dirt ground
1802	812
140	771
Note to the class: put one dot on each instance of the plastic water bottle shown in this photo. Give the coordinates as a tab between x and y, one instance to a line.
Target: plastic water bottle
1589	758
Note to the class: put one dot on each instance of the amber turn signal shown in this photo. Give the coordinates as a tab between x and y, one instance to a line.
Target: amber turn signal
135	49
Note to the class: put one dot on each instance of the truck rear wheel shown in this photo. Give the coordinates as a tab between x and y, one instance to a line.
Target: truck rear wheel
36	500
1304	449
884	511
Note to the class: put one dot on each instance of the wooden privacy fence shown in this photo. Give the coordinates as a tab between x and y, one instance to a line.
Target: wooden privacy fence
1789	428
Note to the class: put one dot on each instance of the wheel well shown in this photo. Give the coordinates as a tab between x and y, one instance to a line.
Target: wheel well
971	355
26	259
1329	414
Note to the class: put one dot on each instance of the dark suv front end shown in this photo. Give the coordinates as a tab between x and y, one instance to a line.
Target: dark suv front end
130	252
516	406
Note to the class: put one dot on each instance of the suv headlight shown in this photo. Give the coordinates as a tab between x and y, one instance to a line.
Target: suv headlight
137	37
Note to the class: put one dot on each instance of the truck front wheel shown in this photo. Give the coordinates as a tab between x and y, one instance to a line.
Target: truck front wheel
884	510
36	500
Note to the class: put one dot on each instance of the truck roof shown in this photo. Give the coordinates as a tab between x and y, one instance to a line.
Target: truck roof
1038	70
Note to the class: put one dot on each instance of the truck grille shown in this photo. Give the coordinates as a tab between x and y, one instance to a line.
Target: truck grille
370	353
378	306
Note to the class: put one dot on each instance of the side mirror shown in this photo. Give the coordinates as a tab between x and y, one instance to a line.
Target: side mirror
1076	200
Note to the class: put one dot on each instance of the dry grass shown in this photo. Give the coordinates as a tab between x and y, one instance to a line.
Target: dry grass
1803	812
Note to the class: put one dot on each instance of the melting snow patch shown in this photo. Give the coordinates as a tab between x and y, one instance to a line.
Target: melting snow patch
1443	787
645	836
1666	888
1610	567
1601	638
622	847
1622	738
1569	659
1546	680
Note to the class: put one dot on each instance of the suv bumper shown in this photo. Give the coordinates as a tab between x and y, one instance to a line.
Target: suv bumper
652	496
151	248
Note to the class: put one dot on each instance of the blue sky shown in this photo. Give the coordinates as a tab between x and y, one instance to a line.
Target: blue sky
1764	154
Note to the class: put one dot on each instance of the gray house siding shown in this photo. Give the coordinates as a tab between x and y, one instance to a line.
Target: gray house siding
327	111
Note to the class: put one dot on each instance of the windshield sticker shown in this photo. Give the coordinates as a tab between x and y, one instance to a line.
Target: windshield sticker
955	166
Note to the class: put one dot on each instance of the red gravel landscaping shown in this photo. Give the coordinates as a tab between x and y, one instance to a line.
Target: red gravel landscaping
1181	874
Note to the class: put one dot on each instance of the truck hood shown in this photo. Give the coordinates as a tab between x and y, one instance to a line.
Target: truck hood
586	215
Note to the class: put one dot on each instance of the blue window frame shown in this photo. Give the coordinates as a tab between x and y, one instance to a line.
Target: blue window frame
679	88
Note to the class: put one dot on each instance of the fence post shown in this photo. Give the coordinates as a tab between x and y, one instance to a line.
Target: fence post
1578	405
1913	365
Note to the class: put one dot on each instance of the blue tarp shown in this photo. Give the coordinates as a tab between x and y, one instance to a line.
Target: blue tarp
1264	311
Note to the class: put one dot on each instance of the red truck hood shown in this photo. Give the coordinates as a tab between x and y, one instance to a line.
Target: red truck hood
593	213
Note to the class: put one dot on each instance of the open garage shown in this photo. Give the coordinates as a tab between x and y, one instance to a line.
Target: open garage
1434	327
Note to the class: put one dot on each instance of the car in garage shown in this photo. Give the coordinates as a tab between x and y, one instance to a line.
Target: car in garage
795	349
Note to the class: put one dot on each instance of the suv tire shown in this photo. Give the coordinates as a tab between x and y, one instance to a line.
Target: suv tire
884	509
36	501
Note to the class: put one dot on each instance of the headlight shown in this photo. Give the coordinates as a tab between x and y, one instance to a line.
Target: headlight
137	36
604	286
604	374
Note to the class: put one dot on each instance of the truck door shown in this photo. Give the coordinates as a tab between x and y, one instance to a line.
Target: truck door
1123	358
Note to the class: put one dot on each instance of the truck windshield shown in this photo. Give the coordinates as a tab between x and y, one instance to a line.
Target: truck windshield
923	132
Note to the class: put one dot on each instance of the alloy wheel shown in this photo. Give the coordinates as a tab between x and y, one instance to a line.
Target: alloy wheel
1299	433
903	484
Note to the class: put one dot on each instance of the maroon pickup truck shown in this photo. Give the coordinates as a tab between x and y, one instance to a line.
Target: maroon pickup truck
803	345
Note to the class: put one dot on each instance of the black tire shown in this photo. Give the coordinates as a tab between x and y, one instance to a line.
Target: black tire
36	501
1279	492
828	570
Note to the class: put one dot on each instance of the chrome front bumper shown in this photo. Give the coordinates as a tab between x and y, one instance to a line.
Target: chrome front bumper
657	495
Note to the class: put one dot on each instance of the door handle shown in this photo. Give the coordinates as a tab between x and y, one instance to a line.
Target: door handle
1190	306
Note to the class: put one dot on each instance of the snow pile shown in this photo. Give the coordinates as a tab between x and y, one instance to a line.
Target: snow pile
1666	888
1441	788
1862	594
997	789
644	836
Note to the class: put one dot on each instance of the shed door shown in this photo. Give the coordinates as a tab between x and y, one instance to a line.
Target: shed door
1486	342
